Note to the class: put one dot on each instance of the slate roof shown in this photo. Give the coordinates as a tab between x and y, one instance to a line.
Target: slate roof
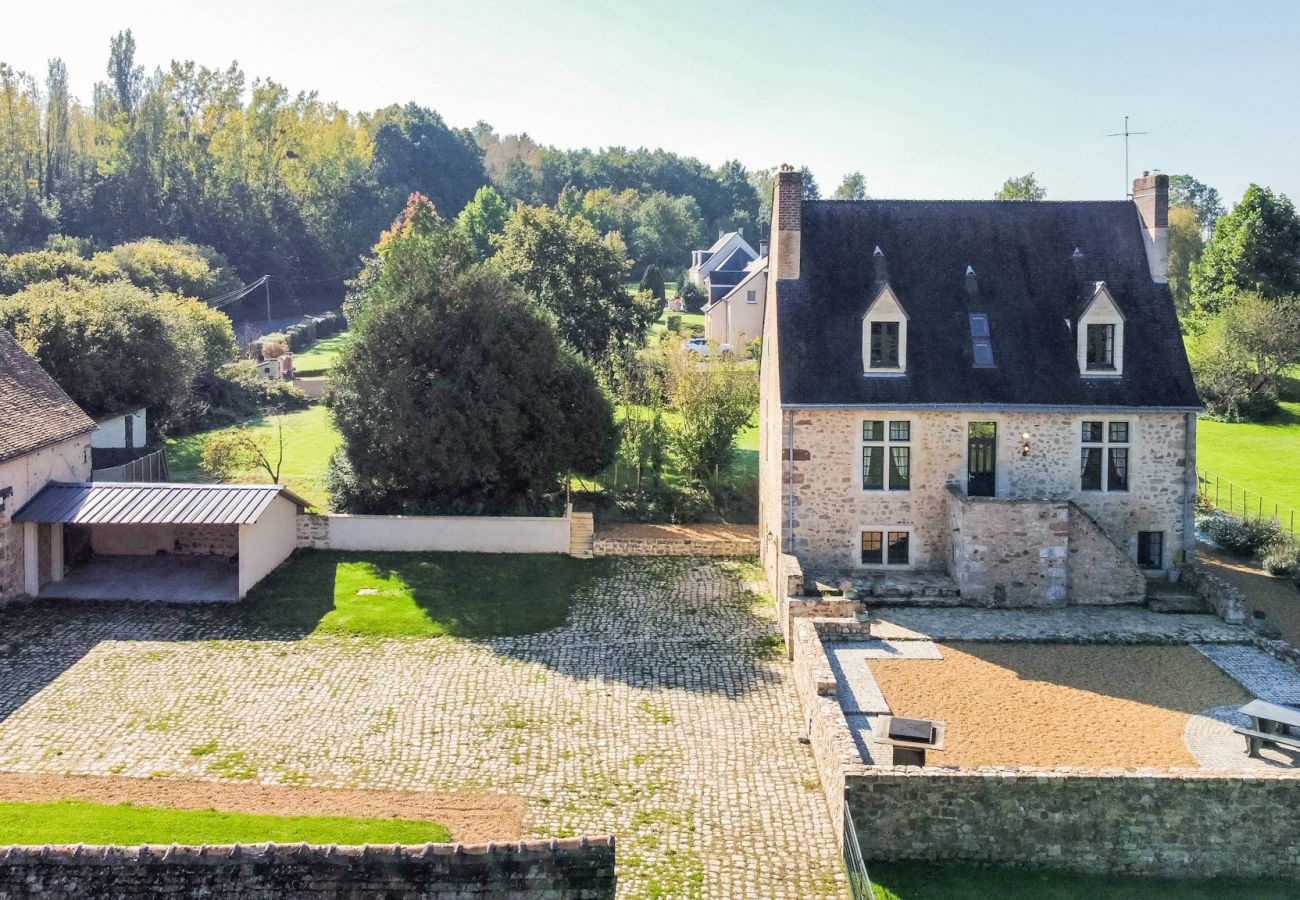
128	503
34	411
1027	280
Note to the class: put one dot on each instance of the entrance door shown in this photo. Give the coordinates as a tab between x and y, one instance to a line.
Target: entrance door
981	459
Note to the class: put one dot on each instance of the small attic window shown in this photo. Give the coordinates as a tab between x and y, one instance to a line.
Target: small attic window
981	341
884	335
1100	336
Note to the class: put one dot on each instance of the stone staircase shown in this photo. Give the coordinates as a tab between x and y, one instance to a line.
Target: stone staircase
1164	597
888	588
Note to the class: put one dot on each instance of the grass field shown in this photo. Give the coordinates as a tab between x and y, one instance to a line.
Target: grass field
937	881
309	442
321	355
419	595
1263	457
78	822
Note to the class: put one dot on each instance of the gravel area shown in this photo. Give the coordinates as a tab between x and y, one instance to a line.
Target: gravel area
1059	704
1277	597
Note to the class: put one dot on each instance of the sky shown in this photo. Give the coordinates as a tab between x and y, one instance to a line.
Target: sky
927	99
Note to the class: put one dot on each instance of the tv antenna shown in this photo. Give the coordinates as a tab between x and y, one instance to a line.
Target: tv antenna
1126	134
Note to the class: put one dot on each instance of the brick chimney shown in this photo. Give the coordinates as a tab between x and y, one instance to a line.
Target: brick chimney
787	221
1151	196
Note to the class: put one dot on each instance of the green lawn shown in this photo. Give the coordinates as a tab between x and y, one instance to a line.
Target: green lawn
309	442
1264	457
938	881
321	355
420	595
77	822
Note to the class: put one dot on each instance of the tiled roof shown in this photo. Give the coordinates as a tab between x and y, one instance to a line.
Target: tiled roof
1027	280
34	411
125	503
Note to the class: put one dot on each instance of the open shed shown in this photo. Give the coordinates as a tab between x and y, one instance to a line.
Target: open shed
168	542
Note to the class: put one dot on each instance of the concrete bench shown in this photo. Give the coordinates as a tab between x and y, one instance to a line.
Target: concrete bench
1257	739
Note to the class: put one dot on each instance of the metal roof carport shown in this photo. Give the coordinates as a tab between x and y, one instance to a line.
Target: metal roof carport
169	542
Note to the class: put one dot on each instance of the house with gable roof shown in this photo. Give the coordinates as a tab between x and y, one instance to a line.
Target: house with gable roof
736	317
720	267
994	391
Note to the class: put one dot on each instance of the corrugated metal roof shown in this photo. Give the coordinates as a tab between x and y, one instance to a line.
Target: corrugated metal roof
127	503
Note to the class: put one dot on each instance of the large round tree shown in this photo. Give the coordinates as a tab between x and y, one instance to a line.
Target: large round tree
455	394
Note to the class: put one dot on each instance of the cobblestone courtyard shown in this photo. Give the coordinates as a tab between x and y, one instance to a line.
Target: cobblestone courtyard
659	713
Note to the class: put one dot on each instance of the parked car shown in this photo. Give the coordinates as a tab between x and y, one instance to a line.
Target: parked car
700	346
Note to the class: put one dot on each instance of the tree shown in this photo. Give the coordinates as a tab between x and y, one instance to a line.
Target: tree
652	282
715	398
810	189
853	187
1026	187
577	276
667	229
1185	248
1184	190
1240	355
1255	248
455	395
229	452
482	219
125	78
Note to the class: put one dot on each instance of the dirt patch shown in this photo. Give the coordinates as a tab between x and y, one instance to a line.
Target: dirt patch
1059	704
701	533
471	818
1276	596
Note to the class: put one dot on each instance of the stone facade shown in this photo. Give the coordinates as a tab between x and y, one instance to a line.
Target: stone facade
567	869
814	507
25	476
1180	823
150	540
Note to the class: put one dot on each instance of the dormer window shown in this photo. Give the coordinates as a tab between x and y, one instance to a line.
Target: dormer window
1101	335
884	335
884	345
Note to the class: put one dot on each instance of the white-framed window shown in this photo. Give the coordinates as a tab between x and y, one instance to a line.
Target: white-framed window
886	455
1101	336
751	296
1105	455
884	335
884	547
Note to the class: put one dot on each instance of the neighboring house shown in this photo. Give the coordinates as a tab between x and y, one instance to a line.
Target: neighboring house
730	249
737	316
119	439
44	436
995	390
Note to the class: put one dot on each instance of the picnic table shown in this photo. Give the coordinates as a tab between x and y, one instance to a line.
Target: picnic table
1268	725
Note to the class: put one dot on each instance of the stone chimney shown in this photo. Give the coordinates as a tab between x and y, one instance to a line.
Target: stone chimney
1151	196
787	222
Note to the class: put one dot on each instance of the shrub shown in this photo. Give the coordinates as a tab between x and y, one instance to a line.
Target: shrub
1240	537
675	324
754	349
1283	560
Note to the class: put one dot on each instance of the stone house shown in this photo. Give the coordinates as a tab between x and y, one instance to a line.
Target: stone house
736	317
44	437
993	390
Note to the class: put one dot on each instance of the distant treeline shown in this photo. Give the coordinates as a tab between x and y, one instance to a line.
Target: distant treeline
291	186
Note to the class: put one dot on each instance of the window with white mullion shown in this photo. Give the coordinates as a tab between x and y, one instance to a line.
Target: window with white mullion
1105	456
886	455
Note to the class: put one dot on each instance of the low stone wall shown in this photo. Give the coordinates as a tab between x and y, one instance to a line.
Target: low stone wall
1181	823
1100	573
570	869
468	534
1225	598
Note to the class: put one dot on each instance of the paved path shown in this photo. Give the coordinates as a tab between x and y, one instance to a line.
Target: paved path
1264	675
658	713
1076	625
1214	745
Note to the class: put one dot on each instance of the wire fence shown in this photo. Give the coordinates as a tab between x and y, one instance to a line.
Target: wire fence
152	467
860	886
1240	502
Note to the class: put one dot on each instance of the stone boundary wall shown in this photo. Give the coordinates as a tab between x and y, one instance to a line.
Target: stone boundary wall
568	869
673	547
1177	822
1182	822
466	534
1225	598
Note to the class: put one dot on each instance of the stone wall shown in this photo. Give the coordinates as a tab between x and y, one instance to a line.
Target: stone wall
1182	823
570	869
830	506
679	547
1009	552
1100	573
1226	599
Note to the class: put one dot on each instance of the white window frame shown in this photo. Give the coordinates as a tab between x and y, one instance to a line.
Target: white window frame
751	296
1105	446
884	547
884	308
886	444
1101	310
